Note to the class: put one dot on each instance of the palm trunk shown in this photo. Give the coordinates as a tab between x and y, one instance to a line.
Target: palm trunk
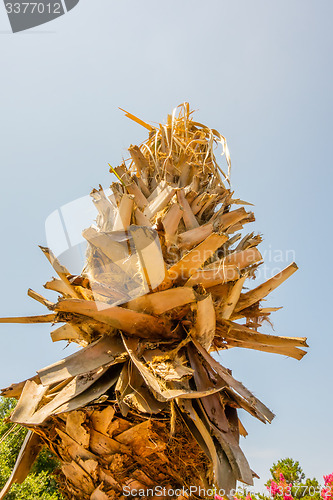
105	455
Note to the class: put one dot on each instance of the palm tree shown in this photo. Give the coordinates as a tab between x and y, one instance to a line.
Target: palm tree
144	409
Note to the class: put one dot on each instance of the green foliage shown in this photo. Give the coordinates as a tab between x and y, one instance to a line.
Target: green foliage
287	482
39	483
291	470
35	486
298	487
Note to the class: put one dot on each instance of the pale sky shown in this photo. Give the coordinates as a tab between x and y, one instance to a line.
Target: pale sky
261	73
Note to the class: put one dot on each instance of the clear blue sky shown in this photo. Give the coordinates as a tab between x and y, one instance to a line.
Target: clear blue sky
261	73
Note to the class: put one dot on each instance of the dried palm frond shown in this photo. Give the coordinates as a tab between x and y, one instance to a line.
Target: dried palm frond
144	403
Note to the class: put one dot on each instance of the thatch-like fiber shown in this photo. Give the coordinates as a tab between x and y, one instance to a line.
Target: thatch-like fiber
144	403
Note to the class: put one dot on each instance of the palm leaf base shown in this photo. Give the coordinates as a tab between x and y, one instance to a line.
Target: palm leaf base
105	455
